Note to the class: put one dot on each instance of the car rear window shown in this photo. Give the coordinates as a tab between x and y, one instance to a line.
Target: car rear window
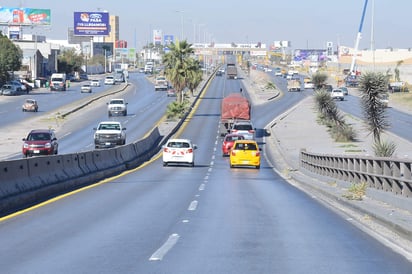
234	138
248	146
243	127
178	144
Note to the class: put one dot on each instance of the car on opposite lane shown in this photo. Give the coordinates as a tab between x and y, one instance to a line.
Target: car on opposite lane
337	94
117	107
179	151
245	153
109	134
30	105
87	88
109	80
40	142
95	83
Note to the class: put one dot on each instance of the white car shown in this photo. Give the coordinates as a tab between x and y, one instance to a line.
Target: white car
109	80
117	107
309	85
86	88
179	151
337	94
109	134
244	128
95	83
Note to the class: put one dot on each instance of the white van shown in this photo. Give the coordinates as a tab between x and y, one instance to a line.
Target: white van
58	81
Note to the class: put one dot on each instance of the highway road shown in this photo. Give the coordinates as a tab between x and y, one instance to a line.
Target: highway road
206	219
145	108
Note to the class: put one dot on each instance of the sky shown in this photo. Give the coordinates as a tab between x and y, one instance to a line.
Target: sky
306	24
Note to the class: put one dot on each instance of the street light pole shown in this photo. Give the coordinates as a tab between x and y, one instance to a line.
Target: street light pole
181	19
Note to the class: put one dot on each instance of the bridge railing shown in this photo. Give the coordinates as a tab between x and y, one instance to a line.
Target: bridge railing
386	174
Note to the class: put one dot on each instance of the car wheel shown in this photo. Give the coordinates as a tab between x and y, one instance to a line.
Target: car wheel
125	113
258	167
232	166
110	114
164	164
192	164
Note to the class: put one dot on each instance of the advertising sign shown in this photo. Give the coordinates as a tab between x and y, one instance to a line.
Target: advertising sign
91	23
157	37
168	39
24	16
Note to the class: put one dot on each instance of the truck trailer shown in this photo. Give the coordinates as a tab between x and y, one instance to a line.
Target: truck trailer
234	107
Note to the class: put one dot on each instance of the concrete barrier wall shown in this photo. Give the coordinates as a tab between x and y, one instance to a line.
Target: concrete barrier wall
29	181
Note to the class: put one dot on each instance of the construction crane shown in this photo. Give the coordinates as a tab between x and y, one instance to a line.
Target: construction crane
358	37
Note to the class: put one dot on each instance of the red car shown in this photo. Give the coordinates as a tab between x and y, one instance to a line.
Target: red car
40	142
228	142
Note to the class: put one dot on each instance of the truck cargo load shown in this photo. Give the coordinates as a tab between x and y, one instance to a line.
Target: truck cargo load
231	70
234	107
294	85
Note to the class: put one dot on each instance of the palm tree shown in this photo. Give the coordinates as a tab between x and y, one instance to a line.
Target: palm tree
177	65
195	75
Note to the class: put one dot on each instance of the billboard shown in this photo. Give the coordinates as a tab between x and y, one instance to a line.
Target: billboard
157	37
168	39
91	23
313	55
24	16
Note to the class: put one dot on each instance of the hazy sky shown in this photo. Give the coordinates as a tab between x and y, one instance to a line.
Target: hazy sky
306	23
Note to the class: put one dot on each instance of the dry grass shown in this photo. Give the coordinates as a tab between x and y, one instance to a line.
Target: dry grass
402	99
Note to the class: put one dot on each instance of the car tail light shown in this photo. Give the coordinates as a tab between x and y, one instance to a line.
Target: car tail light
257	153
190	150
166	150
252	131
233	152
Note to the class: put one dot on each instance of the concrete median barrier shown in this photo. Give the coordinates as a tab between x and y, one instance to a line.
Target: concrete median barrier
11	174
71	165
45	171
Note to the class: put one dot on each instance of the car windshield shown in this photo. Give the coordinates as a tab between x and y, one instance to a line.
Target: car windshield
109	127
247	146
118	102
39	137
178	144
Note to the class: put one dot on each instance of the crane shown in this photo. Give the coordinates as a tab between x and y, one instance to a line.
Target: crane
358	37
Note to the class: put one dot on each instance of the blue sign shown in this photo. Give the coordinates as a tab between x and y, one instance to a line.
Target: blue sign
168	39
91	23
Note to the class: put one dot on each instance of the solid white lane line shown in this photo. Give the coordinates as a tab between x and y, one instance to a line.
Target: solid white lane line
193	205
161	252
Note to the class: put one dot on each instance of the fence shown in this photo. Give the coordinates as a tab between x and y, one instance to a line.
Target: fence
387	174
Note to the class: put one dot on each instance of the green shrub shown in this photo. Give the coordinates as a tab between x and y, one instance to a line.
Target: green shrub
356	191
384	148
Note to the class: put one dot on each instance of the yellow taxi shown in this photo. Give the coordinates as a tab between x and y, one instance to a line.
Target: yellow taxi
245	153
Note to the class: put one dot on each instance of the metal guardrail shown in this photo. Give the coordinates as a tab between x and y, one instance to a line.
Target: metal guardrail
387	174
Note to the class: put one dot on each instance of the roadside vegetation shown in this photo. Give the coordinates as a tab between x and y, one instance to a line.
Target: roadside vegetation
329	114
10	59
374	87
184	73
